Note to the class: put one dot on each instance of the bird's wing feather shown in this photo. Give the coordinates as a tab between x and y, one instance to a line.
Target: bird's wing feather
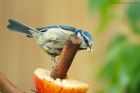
45	28
67	28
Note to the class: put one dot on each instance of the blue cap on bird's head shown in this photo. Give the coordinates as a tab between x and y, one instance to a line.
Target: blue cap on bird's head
86	38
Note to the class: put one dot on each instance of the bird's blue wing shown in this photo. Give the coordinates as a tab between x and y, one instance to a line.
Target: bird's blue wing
45	28
69	28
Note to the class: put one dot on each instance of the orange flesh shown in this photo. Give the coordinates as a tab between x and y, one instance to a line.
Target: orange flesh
45	84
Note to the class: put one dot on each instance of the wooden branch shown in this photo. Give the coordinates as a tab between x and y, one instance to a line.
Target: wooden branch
7	87
66	57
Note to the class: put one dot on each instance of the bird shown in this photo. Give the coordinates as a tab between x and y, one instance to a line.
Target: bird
53	38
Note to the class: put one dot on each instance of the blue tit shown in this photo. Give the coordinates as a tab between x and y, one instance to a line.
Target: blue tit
53	38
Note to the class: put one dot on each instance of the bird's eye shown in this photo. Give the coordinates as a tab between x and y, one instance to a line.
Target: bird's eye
86	40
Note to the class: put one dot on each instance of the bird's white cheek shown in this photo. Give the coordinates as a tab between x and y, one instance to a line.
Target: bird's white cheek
91	43
83	45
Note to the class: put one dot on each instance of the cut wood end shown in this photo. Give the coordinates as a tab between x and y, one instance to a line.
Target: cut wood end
74	39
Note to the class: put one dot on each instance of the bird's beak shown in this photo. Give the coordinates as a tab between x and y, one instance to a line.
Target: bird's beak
89	49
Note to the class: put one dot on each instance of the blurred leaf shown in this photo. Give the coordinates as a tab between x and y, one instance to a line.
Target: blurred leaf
117	41
133	14
104	8
101	5
122	69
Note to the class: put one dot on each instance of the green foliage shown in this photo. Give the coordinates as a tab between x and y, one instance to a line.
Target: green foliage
122	68
133	14
104	8
122	62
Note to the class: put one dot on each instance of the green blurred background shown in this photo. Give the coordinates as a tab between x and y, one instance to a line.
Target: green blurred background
113	66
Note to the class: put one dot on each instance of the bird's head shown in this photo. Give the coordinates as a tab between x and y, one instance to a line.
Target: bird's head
86	38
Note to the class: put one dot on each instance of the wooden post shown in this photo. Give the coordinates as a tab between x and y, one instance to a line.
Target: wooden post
66	57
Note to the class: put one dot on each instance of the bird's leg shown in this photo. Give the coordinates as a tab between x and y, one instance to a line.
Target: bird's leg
53	59
53	63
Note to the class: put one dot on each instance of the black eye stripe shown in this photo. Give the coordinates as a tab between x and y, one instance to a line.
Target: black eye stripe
85	39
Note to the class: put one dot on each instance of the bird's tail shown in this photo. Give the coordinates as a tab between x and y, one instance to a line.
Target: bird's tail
16	26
